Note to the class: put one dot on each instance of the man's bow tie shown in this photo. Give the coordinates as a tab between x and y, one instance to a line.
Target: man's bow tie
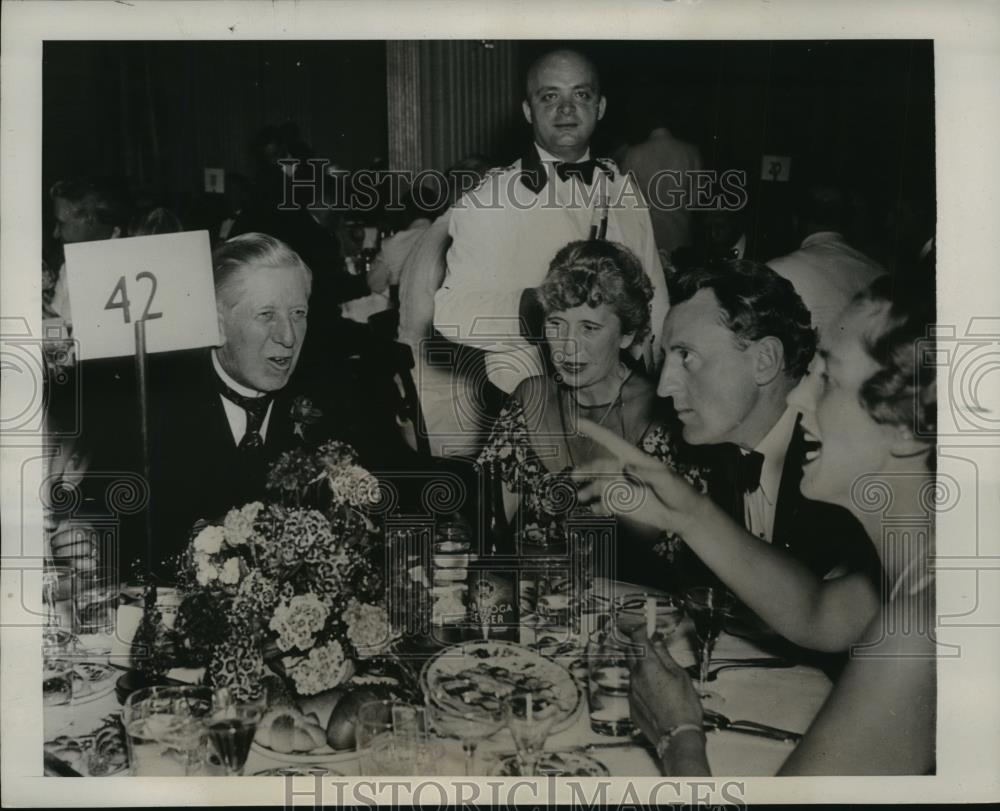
256	409
748	467
583	170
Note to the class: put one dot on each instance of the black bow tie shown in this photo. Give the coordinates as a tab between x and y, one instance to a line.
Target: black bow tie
583	170
256	409
748	467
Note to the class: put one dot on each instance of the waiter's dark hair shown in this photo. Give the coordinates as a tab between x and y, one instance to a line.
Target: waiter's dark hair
754	303
252	250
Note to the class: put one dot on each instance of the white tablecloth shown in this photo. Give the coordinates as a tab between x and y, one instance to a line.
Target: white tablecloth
787	698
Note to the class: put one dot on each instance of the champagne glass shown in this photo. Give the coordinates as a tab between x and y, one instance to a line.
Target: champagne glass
708	607
633	611
470	725
530	721
165	730
231	729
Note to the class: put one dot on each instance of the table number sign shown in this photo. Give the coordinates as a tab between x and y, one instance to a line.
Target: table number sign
164	280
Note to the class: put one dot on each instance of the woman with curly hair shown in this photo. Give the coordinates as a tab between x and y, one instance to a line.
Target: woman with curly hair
869	408
596	299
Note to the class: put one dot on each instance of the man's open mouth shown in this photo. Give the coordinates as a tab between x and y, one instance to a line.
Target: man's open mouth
283	362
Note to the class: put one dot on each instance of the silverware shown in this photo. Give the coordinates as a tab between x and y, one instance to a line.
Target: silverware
731	664
632	742
717	721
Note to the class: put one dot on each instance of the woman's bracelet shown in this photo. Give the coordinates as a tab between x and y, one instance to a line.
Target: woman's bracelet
663	744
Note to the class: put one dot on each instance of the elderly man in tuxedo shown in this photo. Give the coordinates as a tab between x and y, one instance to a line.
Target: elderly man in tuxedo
219	416
738	339
507	230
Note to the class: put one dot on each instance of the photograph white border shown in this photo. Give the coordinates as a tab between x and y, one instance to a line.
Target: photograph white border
967	63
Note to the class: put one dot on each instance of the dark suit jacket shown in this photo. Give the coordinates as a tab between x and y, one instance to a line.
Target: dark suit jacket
822	536
196	470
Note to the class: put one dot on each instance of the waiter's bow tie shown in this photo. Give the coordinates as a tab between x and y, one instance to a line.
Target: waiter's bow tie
582	169
748	467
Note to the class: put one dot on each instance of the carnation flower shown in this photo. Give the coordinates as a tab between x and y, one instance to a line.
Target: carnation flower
238	525
355	486
209	540
367	628
204	570
297	621
230	573
323	669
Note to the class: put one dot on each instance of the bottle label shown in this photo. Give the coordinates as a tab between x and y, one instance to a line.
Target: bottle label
494	607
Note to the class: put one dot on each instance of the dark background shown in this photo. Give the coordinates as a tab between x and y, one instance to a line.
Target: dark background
158	113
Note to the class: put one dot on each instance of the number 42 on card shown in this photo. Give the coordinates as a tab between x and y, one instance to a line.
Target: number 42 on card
164	280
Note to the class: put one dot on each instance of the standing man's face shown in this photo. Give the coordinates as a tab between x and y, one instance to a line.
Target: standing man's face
564	105
73	224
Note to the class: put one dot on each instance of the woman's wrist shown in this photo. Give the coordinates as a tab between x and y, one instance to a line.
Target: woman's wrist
697	511
682	751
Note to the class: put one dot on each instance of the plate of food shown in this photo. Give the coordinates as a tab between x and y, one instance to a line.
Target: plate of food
481	673
553	764
288	735
91	680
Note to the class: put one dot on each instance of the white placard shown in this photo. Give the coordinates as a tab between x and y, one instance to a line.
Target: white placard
776	167
165	279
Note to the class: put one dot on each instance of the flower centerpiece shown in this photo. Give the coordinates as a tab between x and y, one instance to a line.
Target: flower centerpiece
295	586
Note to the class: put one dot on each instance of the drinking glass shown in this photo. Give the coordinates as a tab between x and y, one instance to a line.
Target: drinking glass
708	607
392	739
608	683
57	596
631	613
166	730
449	574
530	722
95	600
58	659
231	727
471	725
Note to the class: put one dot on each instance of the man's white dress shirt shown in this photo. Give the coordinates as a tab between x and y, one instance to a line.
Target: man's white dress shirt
235	415
760	505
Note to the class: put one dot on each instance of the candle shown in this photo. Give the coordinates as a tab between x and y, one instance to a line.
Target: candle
650	617
528	708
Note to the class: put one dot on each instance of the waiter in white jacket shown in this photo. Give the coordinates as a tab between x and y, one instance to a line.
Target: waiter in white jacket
507	230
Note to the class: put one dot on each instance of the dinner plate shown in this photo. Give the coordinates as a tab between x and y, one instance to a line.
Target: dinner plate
91	681
324	754
473	659
298	770
555	764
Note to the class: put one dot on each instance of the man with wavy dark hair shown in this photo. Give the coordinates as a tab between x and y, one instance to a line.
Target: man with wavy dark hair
738	339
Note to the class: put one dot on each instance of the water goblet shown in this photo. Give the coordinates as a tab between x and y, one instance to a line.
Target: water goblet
708	607
470	725
165	730
530	721
633	611
231	727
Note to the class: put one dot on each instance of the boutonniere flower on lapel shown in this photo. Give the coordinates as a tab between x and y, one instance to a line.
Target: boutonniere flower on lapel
304	413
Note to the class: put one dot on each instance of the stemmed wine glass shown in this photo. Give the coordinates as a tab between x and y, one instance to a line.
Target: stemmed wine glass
232	727
708	607
530	722
470	725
